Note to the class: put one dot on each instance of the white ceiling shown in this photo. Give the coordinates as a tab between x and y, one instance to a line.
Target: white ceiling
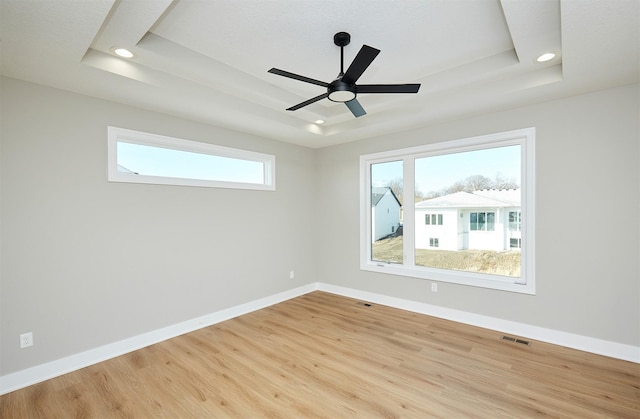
207	60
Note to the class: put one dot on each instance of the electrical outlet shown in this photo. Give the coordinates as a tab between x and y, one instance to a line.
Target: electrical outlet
292	274
434	287
26	340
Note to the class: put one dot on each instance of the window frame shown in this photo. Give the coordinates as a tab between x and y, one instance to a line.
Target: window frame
116	135
525	283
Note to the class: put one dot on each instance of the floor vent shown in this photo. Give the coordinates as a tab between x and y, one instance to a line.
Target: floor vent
516	340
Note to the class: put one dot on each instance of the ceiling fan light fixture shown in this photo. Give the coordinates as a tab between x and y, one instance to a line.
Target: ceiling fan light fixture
340	91
341	96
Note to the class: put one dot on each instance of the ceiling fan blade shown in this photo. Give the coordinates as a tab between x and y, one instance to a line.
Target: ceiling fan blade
298	77
308	102
355	107
364	58
388	88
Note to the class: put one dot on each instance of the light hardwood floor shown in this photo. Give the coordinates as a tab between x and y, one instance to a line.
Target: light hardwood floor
322	355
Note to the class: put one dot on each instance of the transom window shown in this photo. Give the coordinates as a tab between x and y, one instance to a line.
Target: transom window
140	157
477	194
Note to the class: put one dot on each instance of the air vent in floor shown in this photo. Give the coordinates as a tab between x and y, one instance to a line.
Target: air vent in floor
516	340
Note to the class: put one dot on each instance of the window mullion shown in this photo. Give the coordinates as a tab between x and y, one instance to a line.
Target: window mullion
408	199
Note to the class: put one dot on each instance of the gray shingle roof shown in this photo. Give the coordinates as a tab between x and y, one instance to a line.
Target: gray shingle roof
378	192
492	198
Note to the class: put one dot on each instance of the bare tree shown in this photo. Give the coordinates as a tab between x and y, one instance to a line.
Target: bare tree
459	186
397	187
502	182
471	184
477	183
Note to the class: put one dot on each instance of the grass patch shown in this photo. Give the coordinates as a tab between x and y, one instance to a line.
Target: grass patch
505	263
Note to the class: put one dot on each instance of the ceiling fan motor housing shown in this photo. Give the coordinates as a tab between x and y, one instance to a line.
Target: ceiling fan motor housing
340	91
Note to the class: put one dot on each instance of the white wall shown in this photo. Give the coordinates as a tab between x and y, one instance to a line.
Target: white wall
86	262
588	269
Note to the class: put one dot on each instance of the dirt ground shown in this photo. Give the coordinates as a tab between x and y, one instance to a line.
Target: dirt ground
484	261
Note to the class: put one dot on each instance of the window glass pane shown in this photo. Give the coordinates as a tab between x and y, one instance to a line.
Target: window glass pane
481	222
386	203
141	157
491	220
165	162
474	221
514	220
470	196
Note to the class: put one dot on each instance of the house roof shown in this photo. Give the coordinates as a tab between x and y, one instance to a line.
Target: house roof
207	61
378	192
492	198
508	196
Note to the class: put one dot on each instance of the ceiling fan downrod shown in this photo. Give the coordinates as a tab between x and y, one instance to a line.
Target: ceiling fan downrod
341	39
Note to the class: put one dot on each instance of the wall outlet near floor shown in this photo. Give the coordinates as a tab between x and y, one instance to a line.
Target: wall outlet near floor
292	274
434	287
26	340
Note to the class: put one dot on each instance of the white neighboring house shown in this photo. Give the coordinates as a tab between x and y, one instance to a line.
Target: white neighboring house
385	213
486	219
122	169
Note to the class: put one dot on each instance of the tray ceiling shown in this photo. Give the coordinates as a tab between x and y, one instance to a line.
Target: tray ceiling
207	60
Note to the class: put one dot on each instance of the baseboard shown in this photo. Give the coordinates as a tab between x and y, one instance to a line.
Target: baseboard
29	376
569	340
39	373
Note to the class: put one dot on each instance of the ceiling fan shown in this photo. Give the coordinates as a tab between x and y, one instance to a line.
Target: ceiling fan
344	88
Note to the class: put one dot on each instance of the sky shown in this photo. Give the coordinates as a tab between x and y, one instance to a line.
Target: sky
438	172
156	161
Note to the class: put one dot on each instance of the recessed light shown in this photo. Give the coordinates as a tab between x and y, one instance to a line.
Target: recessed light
123	52
319	121
547	56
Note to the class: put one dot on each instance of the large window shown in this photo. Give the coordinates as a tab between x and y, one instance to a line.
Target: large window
483	221
466	211
140	157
